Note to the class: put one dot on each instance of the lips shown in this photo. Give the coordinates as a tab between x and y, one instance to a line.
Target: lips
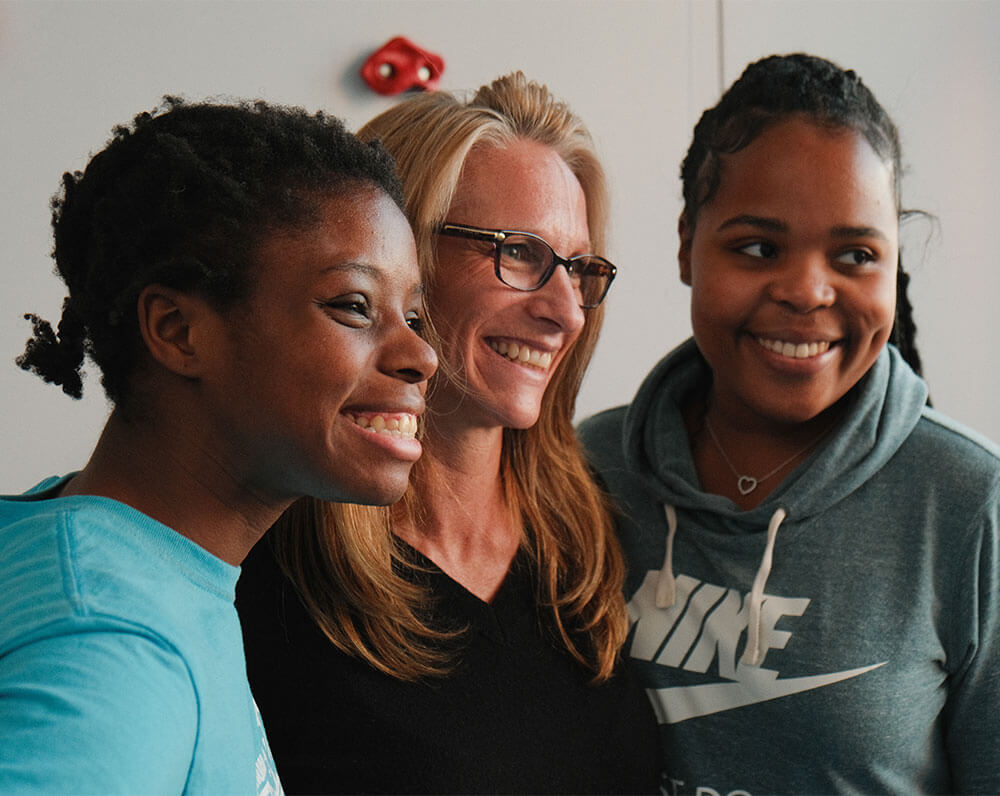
395	424
519	352
795	350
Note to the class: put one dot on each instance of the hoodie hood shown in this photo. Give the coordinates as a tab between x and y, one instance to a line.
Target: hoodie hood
887	403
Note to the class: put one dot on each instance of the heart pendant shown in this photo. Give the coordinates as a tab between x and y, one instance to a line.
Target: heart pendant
746	484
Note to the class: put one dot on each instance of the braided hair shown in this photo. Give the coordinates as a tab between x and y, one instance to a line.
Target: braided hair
182	197
769	91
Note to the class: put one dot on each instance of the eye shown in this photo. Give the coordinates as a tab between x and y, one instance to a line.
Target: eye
416	322
760	249
515	251
353	307
856	257
524	253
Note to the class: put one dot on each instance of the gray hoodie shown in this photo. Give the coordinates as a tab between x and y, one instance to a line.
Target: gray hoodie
842	636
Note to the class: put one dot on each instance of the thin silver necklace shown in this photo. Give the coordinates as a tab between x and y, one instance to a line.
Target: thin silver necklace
745	484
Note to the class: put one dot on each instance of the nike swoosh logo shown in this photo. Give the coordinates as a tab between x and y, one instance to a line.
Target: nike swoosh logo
679	703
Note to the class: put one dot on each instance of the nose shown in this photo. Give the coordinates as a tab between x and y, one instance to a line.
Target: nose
805	283
558	301
407	356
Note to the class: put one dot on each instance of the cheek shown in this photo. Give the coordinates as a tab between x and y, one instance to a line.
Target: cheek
714	302
326	362
889	300
877	307
453	338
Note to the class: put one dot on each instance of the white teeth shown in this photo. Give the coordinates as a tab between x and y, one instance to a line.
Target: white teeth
523	354
793	351
402	425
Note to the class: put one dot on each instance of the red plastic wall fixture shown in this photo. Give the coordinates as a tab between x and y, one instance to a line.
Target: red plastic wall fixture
400	65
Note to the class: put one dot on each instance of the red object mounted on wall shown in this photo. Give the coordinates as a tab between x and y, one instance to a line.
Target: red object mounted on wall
400	65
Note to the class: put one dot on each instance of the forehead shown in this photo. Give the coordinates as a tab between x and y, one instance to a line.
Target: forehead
800	167
362	226
521	185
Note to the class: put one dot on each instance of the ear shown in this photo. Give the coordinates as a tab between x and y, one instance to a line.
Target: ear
684	233
174	325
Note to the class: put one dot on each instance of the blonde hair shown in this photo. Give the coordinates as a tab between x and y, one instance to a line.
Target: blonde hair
569	530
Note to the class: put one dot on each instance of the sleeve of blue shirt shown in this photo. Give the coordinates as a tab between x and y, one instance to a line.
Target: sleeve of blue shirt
95	712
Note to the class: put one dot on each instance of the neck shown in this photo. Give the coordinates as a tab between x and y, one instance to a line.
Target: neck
465	525
161	470
746	462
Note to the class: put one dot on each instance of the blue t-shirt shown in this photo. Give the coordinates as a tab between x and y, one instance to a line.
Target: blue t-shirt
121	658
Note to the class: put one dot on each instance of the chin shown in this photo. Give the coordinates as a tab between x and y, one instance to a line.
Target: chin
382	494
522	423
381	499
384	491
523	416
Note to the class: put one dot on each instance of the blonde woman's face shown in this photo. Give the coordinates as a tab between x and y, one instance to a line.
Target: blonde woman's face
505	343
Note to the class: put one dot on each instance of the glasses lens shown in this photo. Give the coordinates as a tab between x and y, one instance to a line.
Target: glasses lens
523	261
594	275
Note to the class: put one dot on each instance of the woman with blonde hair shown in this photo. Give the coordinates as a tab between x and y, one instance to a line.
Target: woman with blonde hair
475	648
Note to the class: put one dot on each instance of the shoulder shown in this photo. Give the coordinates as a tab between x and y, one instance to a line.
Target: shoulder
953	453
953	433
122	706
602	434
94	564
38	583
947	476
65	583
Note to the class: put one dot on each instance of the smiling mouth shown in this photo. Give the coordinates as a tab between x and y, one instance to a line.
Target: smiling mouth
402	425
795	350
517	352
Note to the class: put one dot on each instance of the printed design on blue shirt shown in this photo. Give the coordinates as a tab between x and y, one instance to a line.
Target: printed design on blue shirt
706	623
268	783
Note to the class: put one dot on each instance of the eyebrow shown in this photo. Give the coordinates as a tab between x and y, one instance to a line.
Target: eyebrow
370	271
774	225
858	232
762	222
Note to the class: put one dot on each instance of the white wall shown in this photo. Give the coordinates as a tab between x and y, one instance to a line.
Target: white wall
639	72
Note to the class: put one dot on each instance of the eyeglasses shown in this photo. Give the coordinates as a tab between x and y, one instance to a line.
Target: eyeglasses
524	261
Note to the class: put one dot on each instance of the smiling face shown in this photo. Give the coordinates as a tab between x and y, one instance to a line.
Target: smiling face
792	266
505	344
320	374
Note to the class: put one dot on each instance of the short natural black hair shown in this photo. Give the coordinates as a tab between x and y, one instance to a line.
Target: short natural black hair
770	91
182	197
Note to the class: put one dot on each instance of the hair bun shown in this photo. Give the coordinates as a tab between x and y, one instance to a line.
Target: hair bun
57	359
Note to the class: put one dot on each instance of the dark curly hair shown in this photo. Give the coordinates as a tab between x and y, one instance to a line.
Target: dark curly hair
768	92
182	197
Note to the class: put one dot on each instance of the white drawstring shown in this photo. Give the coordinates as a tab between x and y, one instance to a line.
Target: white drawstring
751	655
666	586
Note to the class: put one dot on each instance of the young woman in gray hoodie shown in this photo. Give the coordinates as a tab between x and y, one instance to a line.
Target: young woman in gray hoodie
813	550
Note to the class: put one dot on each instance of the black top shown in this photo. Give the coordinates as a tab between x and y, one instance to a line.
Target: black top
517	715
